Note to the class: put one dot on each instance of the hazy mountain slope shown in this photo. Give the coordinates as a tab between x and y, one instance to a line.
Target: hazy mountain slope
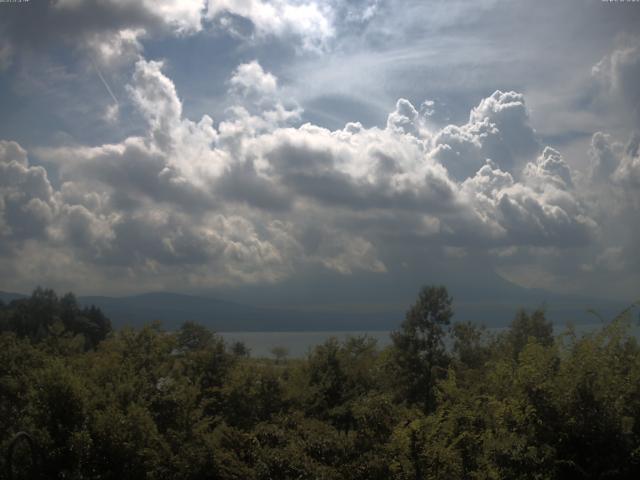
173	309
481	306
7	297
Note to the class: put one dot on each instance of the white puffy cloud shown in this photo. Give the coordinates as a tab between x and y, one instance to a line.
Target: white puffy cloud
498	128
309	20
184	16
157	100
27	203
250	80
12	152
507	112
259	198
461	148
149	204
609	192
549	168
405	118
535	212
112	48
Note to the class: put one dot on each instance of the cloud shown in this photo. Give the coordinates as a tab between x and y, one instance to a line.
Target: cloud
217	175
549	169
508	113
250	80
345	254
532	212
405	118
619	71
156	99
181	16
27	203
148	204
258	198
6	52
308	20
615	168
110	29
628	171
117	47
112	32
498	128
604	159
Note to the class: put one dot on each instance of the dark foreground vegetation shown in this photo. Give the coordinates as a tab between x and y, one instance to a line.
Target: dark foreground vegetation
145	403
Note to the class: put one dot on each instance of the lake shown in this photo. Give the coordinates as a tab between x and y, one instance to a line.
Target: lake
299	343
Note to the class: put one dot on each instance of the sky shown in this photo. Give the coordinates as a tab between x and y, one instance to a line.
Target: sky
320	152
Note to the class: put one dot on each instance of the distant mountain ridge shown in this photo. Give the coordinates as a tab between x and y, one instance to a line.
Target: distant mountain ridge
172	309
7	297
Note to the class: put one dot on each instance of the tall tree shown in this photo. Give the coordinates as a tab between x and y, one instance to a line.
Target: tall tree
525	326
419	348
192	336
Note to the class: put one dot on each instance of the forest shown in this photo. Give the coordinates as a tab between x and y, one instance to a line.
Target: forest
445	400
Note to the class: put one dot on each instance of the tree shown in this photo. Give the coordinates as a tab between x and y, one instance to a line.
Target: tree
280	353
193	336
44	315
419	348
240	349
31	317
469	345
88	321
96	325
339	375
525	326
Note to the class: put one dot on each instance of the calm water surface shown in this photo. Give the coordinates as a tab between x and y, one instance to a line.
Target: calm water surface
299	343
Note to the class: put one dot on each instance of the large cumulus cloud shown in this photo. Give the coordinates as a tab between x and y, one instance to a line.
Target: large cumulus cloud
310	21
26	197
258	197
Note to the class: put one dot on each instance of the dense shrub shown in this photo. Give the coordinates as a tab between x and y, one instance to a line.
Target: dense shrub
152	404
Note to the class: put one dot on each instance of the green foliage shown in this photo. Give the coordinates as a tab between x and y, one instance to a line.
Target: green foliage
279	353
528	326
419	353
194	337
337	377
253	394
181	405
240	349
470	346
45	315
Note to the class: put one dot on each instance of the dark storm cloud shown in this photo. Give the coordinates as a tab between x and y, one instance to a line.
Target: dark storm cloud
41	23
